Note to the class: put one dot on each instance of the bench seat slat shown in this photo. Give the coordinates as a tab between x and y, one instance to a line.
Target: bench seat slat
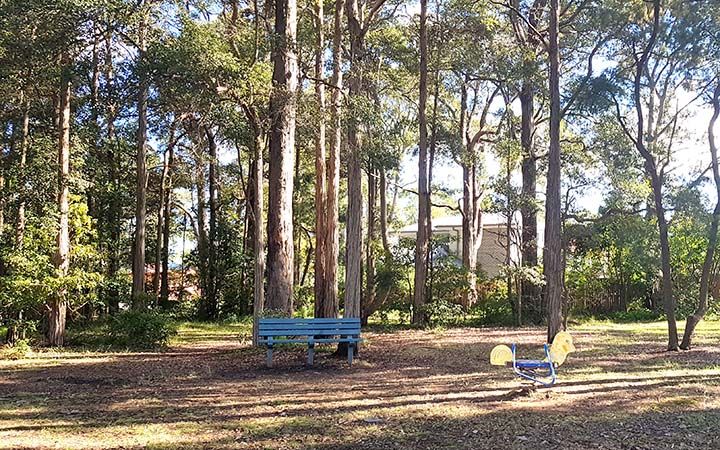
309	329
305	341
310	333
317	325
324	320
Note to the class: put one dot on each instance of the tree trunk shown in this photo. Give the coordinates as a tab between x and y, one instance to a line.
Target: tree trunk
702	306
201	234
57	307
528	208
282	148
163	242
258	237
162	218
353	264
528	39
370	244
422	243
384	211
469	253
656	181
167	203
552	257
321	217
332	245
113	162
138	267
22	163
213	191
158	246
353	254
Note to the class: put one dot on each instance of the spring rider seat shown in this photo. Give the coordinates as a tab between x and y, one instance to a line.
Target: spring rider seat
538	371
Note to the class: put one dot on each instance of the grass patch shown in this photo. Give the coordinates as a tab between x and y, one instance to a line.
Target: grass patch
409	389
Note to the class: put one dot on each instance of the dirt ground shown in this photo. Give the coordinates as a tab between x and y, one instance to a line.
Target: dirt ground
408	389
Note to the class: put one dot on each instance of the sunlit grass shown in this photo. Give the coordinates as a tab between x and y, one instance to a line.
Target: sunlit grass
193	332
410	389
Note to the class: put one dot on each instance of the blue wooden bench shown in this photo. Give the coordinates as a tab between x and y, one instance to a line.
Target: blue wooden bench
310	332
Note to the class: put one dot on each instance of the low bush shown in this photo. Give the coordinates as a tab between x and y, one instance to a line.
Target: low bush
495	310
442	313
19	350
142	330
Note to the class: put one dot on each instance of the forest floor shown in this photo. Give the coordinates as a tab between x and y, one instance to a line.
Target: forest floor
409	389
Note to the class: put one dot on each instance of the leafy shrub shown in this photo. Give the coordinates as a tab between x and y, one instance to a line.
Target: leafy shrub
636	313
184	309
140	330
19	350
442	313
495	309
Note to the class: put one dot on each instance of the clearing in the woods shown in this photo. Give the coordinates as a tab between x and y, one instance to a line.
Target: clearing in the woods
409	389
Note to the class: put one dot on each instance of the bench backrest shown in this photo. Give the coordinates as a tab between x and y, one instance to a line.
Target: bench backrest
309	327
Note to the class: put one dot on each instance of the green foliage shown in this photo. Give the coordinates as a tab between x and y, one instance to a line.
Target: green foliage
18	351
30	279
441	313
448	277
142	330
493	307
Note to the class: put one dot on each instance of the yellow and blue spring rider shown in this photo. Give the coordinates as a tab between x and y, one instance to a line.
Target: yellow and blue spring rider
538	371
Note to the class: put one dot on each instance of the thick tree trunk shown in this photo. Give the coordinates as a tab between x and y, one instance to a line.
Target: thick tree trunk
57	306
707	267
552	256
332	245
138	267
528	208
353	254
353	265
282	148
321	216
422	242
528	39
667	287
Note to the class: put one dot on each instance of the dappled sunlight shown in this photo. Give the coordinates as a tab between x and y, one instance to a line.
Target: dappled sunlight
405	388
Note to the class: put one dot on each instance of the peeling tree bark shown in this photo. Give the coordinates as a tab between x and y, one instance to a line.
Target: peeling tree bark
332	244
57	305
552	256
282	150
321	200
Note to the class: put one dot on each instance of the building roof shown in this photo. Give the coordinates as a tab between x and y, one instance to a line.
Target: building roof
455	221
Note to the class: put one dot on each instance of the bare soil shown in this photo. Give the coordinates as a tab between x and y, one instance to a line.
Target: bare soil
408	389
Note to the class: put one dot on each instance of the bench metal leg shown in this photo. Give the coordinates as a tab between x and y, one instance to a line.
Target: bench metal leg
311	354
268	359
351	350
